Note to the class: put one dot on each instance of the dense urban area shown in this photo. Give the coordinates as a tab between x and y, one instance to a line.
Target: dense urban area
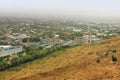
46	33
26	39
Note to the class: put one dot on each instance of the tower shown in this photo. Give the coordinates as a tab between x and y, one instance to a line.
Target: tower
89	39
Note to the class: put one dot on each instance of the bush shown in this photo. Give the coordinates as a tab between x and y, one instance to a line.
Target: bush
98	61
113	58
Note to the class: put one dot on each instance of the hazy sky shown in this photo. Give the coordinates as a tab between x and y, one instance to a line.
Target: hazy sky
100	8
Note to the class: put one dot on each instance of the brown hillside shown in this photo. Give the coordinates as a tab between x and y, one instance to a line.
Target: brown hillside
91	62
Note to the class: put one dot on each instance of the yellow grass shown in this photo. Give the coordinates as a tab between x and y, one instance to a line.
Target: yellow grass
77	63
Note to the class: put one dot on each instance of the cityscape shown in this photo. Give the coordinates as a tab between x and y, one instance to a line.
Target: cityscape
59	40
45	33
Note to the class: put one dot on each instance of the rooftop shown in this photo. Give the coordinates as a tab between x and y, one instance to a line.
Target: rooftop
5	46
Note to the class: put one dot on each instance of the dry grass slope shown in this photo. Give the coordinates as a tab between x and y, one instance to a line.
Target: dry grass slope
91	62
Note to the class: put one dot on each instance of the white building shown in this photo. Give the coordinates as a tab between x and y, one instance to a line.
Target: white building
9	50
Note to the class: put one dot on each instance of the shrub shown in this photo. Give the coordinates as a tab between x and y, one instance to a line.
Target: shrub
98	60
113	58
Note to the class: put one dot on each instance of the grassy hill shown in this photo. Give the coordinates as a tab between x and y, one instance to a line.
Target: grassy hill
90	62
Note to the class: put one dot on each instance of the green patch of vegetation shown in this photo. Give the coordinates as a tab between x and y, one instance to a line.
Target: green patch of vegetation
30	55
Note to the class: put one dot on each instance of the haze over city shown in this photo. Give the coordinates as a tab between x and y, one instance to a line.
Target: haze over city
59	39
74	8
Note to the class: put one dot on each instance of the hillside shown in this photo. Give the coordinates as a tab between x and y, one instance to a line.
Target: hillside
90	62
